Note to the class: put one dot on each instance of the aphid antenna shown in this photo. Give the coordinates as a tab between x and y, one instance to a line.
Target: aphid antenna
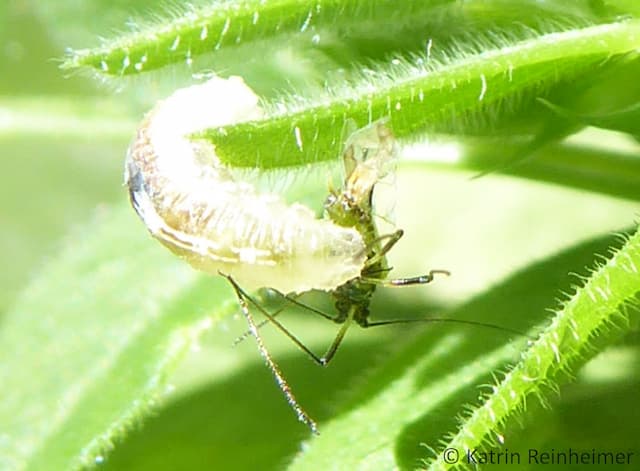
449	321
421	280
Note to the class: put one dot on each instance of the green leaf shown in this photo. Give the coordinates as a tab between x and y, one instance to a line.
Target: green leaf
408	406
87	347
184	35
596	308
419	97
219	25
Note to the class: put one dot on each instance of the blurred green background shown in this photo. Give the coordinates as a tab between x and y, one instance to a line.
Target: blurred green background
56	171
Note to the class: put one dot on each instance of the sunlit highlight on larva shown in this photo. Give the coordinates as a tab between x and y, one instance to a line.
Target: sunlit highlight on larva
191	203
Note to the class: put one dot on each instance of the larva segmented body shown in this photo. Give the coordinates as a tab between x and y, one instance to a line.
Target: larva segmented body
190	201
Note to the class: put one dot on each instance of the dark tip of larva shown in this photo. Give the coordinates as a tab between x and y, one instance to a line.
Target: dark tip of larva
135	182
134	179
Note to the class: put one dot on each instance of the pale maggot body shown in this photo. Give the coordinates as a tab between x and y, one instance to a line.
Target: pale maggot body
191	202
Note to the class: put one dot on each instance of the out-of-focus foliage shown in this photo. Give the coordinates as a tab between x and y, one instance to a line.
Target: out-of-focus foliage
115	353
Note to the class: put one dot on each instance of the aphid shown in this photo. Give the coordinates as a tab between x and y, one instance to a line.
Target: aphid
192	203
367	155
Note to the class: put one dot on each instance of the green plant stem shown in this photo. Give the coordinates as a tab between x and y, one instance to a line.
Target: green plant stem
210	28
595	309
419	98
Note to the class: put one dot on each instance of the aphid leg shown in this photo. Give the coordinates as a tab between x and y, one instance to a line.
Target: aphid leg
245	335
394	237
331	351
275	370
263	322
413	280
417	280
246	297
333	348
310	308
346	323
293	299
243	297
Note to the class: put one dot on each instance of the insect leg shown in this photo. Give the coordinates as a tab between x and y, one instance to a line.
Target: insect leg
293	299
333	348
244	297
263	322
324	360
394	237
413	280
310	308
275	370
